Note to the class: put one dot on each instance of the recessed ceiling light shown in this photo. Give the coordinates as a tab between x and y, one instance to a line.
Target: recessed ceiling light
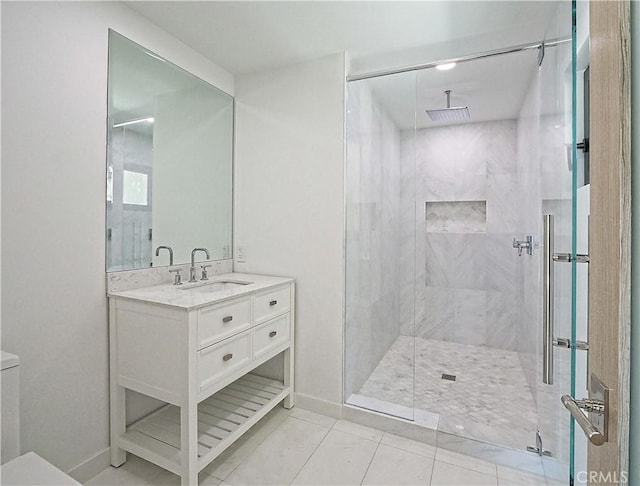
446	67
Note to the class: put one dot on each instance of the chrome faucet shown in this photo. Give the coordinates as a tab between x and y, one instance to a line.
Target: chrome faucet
192	270
165	248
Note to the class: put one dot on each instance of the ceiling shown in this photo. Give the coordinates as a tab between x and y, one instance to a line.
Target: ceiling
251	36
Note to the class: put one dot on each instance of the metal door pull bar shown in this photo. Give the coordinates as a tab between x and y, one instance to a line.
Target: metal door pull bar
548	339
547	300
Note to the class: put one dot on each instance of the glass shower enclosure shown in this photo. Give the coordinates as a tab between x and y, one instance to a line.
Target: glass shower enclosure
445	245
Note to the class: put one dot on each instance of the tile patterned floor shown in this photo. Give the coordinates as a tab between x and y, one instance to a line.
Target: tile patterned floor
474	404
303	448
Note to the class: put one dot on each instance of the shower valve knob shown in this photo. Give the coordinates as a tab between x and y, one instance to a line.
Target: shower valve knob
526	244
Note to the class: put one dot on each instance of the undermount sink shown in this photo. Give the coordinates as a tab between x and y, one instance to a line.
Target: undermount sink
214	286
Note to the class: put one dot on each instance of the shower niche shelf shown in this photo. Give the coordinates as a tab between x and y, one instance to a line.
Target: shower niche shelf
456	216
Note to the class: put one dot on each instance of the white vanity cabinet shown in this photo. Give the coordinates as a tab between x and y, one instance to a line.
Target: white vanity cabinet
196	351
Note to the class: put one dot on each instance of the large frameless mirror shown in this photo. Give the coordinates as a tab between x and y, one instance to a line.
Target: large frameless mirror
169	161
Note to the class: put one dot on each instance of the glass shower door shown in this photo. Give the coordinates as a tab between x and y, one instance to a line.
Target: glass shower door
380	245
563	203
582	194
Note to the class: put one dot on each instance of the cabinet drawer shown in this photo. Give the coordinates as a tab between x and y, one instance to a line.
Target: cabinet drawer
218	322
223	358
272	303
270	335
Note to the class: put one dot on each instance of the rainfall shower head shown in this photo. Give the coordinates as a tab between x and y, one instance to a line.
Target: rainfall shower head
449	114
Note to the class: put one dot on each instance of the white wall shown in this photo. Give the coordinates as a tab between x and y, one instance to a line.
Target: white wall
54	312
289	203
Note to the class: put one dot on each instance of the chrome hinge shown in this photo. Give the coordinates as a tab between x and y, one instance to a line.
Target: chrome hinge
538	449
566	343
568	258
535	450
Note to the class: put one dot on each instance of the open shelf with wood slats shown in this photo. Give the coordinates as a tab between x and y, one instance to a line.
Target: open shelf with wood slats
222	418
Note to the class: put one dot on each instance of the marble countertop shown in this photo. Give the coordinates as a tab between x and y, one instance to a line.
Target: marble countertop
182	297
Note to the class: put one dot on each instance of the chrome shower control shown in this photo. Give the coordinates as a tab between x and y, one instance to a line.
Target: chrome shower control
526	244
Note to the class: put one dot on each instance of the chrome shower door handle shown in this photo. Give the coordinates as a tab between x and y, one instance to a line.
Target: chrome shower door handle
592	414
547	300
574	406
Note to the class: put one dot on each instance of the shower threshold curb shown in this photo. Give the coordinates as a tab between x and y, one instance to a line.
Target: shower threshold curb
423	429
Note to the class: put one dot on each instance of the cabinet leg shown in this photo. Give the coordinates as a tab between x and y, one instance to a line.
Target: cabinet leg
289	402
117	410
118	424
188	479
189	440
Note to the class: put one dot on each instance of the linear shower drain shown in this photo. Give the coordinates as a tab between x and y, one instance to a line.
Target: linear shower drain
448	377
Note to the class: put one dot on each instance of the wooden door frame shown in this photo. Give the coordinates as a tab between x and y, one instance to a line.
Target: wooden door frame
610	228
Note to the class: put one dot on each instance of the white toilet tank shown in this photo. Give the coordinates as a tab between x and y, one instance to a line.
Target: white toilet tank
10	407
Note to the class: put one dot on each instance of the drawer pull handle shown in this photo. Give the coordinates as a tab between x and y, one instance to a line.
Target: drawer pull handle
227	357
273	333
273	302
227	319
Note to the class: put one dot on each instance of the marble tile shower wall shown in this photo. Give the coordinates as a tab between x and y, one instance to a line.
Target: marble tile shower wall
372	235
465	218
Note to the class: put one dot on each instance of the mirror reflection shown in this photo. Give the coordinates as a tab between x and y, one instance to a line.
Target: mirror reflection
169	161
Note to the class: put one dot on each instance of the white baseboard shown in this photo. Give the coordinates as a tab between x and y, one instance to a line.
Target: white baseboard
319	405
92	466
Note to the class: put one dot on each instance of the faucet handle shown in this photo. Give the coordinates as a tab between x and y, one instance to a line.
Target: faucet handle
178	278
204	272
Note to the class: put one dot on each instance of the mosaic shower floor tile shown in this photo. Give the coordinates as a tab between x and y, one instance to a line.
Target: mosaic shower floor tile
478	392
